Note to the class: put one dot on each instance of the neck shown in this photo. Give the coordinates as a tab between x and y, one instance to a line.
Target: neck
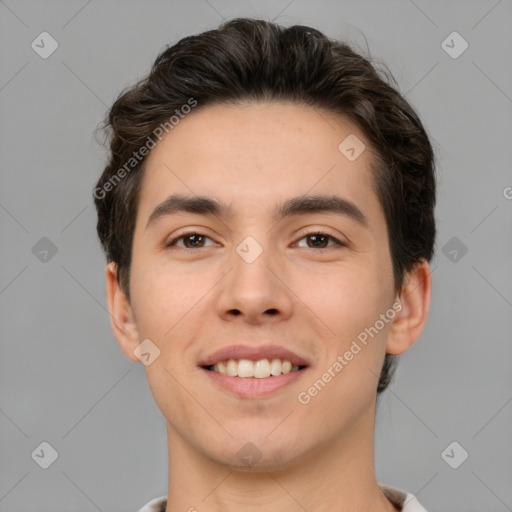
337	476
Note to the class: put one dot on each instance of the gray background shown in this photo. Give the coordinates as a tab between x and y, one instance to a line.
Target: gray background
63	378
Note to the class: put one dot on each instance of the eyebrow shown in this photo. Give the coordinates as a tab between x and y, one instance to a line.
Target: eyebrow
202	205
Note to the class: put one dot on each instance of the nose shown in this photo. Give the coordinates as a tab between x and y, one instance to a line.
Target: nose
255	290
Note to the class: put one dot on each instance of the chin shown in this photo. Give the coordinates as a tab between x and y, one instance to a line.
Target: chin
257	456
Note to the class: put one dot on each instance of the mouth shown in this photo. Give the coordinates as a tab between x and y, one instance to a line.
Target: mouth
259	369
250	372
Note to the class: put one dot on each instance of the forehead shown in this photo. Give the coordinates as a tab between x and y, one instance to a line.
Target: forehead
250	154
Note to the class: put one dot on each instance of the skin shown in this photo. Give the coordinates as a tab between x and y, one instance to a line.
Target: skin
313	301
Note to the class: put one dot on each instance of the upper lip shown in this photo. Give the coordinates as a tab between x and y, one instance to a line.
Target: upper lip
254	353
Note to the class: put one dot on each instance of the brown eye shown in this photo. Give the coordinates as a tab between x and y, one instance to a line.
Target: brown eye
194	240
190	241
320	240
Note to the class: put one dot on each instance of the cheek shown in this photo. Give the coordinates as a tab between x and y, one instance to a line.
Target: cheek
351	304
353	298
163	298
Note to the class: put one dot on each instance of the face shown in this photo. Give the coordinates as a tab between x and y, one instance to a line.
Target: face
253	282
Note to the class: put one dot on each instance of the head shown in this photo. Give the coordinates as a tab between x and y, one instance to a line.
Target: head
253	114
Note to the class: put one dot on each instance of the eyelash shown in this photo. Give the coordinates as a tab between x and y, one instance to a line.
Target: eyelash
337	243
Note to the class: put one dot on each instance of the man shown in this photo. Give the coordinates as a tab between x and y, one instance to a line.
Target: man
267	213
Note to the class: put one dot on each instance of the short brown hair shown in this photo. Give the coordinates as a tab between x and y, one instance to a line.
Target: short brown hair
255	60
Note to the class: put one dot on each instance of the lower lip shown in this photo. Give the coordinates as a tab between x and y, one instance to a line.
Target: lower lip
253	387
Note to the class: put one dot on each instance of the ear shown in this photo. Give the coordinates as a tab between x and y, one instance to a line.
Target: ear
415	300
121	314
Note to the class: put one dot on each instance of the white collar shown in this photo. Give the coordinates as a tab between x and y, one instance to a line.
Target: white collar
406	501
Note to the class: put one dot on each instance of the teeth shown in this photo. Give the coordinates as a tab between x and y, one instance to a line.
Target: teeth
245	368
231	368
257	369
262	369
286	367
221	366
275	367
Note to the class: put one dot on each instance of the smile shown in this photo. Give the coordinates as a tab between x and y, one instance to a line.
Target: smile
260	369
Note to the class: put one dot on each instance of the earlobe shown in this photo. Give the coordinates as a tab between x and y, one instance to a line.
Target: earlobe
411	319
121	315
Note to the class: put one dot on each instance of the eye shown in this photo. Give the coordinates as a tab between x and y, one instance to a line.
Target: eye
195	240
190	240
319	239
